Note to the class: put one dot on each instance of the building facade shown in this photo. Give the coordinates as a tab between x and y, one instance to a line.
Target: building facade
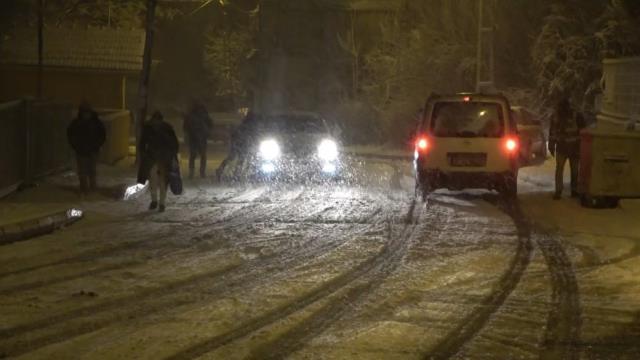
96	65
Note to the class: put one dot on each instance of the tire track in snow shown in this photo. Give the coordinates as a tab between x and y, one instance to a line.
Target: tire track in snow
562	332
473	323
94	254
290	197
61	279
296	337
152	301
251	195
385	261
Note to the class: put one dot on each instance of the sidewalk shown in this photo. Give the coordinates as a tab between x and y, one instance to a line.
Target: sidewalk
610	233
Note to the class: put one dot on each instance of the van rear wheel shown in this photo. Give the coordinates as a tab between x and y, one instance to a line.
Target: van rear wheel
423	185
509	186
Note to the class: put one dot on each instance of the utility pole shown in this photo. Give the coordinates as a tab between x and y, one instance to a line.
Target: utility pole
40	47
143	89
485	56
28	171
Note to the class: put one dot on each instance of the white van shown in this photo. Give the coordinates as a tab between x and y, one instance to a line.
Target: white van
467	141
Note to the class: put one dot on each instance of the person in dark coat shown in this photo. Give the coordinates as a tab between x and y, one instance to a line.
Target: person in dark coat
86	135
241	139
197	127
159	150
564	144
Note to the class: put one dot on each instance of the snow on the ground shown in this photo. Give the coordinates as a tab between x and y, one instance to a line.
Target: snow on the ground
160	284
604	245
586	226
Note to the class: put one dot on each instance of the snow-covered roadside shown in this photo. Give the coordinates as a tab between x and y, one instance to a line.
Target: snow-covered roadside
604	248
60	192
610	232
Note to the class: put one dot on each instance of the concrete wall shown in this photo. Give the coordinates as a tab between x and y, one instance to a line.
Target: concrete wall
100	89
117	125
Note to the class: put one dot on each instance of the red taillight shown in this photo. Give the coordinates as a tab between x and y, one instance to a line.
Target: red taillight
511	145
422	144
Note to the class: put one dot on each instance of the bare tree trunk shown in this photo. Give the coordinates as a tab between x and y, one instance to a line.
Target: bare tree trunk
40	46
356	57
143	89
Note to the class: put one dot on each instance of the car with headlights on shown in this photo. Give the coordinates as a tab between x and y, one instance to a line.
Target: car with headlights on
294	145
467	141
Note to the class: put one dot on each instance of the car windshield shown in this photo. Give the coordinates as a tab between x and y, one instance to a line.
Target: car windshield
293	124
467	119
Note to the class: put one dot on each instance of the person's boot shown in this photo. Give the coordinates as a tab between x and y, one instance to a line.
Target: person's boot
161	208
575	194
93	184
153	205
84	187
219	174
203	167
557	196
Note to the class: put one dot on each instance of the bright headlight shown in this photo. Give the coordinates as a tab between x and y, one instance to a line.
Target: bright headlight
328	150
269	150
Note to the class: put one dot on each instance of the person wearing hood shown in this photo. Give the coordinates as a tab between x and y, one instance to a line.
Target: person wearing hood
86	135
241	139
197	126
564	144
159	149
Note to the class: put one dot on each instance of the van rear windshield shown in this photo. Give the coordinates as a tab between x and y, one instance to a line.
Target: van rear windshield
467	119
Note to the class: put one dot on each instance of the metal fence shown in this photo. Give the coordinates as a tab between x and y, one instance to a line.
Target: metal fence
13	140
33	141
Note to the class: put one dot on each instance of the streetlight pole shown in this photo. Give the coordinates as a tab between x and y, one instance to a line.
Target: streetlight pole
143	89
485	63
40	47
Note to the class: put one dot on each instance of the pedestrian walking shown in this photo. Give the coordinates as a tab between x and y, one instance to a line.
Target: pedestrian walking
86	135
197	127
241	139
564	144
159	155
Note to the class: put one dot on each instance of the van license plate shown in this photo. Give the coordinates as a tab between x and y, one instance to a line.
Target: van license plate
467	159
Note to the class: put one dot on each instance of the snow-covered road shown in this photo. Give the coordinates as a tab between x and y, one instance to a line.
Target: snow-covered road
311	271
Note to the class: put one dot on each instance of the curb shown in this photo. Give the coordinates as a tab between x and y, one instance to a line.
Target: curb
28	229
